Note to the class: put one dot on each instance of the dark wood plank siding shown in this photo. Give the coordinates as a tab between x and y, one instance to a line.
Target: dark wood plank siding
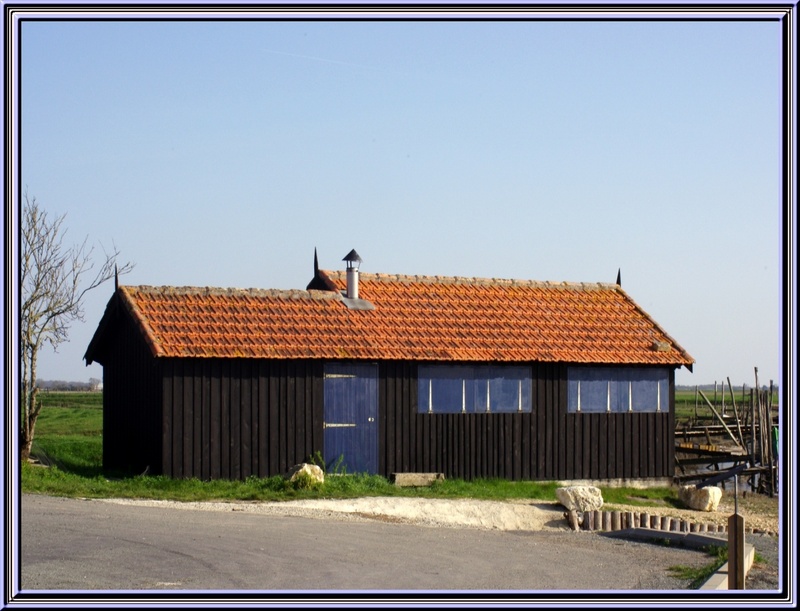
546	444
131	403
465	446
234	418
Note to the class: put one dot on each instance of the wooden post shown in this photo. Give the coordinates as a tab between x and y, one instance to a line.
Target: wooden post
629	521
752	428
745	412
773	459
765	430
736	415
760	412
770	402
736	552
574	523
725	426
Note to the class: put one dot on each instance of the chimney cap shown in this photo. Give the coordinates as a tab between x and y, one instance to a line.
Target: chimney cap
352	258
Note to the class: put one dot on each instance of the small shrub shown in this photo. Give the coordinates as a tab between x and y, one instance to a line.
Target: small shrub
317	460
336	467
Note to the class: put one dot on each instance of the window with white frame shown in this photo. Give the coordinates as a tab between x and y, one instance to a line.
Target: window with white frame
470	389
617	389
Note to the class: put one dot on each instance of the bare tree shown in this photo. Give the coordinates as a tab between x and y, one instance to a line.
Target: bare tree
54	281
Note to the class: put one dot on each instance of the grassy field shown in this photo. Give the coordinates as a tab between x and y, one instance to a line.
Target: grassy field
69	441
690	407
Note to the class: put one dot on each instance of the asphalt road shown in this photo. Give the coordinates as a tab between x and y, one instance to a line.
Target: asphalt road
69	544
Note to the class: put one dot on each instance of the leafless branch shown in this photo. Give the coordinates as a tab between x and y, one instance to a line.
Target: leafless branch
54	280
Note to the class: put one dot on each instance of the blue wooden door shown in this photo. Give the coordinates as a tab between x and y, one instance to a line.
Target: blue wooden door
351	417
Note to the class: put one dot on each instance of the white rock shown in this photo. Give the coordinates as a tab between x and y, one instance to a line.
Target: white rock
580	498
313	471
704	499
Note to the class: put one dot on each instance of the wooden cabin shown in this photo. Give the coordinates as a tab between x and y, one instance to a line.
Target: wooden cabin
385	374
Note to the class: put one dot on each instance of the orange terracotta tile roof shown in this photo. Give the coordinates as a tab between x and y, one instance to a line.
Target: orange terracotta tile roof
414	318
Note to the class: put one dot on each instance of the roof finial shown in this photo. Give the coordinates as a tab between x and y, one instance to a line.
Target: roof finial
116	278
316	264
353	259
619	277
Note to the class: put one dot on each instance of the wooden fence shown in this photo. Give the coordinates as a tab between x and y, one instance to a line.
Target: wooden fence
744	432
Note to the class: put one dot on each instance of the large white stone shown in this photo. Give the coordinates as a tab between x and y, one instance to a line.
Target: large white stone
704	499
580	498
312	471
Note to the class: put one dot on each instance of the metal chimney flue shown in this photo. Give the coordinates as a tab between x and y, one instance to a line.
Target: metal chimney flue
353	261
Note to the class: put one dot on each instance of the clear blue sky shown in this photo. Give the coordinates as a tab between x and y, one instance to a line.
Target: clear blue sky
222	154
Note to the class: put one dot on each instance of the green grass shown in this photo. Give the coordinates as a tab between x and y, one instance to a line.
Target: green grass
58	481
69	432
55	398
643	497
69	440
699	575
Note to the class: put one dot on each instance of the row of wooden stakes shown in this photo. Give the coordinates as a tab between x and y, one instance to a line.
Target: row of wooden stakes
623	520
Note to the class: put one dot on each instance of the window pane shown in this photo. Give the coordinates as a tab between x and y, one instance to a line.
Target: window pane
572	392
594	395
622	389
509	389
441	387
451	389
649	388
588	387
446	395
478	403
619	393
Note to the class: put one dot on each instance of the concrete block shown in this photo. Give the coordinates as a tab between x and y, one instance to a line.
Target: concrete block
416	479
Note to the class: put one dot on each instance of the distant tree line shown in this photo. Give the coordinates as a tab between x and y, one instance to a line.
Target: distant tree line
91	385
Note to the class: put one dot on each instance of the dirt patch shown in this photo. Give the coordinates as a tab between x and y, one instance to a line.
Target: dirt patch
497	515
760	512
